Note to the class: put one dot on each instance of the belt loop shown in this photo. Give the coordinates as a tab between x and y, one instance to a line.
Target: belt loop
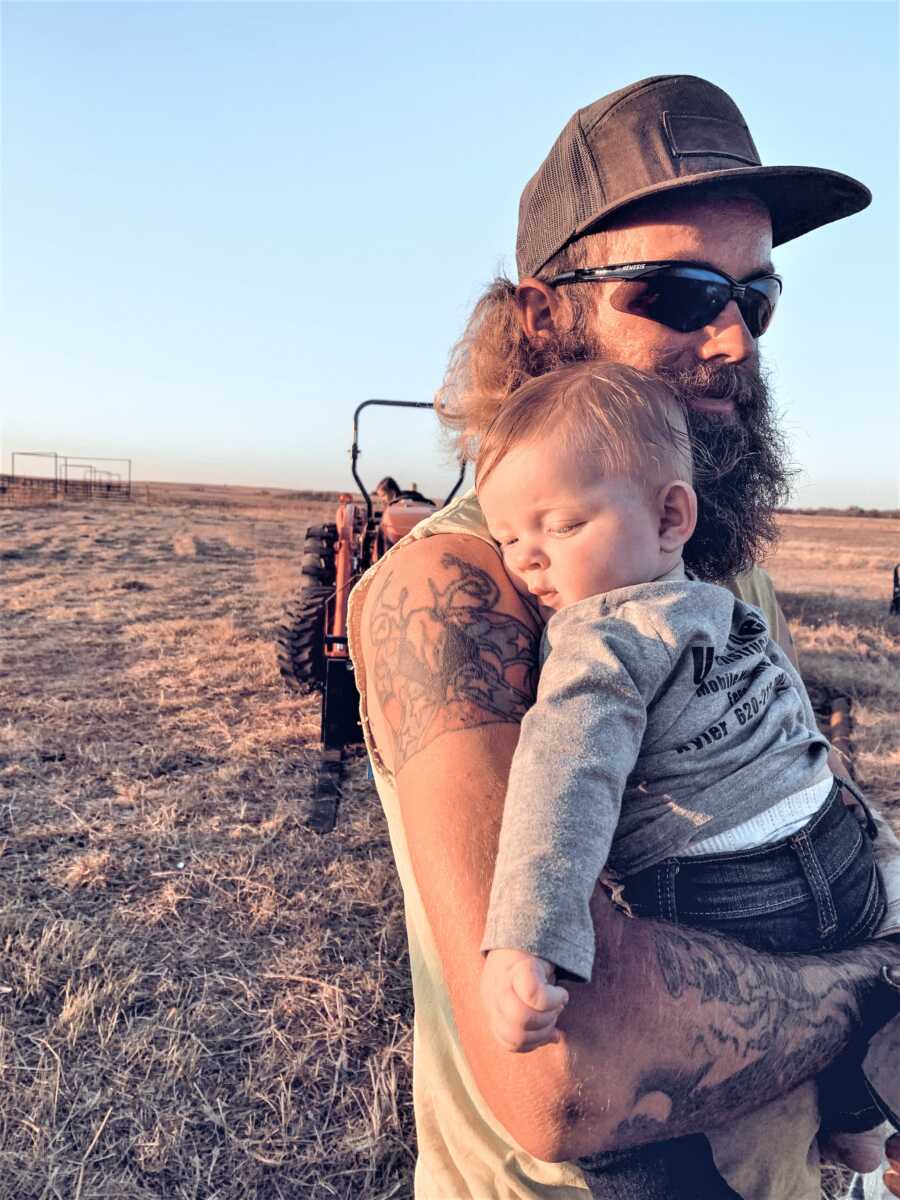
665	890
818	883
850	786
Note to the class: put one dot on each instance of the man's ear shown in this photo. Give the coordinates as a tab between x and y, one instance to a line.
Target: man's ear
540	309
677	508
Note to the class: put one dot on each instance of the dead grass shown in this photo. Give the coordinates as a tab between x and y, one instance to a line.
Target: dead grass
834	578
833	574
198	997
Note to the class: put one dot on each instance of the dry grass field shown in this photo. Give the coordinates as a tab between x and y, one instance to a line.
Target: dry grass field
199	999
833	575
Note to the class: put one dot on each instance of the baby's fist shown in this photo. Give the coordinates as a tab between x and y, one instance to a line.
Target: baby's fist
521	1000
533	980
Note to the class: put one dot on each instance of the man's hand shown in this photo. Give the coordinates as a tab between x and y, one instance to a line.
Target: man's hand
521	1000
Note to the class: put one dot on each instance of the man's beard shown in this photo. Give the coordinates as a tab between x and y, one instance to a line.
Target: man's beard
741	472
741	469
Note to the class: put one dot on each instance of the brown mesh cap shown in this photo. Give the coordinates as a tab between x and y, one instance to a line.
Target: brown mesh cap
667	132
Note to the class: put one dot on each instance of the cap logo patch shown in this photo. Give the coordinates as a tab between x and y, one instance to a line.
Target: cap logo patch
691	136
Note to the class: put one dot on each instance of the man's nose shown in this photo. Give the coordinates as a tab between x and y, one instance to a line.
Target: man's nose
727	337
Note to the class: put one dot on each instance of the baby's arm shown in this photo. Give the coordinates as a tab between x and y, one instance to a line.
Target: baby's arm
576	748
521	1000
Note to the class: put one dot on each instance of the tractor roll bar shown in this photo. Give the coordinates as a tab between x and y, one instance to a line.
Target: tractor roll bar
354	449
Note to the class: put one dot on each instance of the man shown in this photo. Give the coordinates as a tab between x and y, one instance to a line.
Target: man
679	1032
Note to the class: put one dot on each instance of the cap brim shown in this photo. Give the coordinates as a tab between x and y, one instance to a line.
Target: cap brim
798	198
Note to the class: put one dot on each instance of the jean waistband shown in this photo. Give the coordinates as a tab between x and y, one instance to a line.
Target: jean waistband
821	825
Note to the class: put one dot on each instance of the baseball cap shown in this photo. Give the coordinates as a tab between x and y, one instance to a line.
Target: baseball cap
660	134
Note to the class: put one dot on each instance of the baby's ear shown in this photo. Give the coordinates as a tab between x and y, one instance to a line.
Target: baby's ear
677	508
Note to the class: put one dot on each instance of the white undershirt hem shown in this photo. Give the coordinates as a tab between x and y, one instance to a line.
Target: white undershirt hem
775	823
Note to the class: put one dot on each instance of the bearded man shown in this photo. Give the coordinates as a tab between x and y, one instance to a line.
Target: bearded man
645	237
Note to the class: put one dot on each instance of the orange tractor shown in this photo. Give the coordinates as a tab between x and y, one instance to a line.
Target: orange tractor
312	639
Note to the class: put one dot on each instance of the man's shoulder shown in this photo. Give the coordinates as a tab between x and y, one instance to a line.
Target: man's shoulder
417	565
446	643
413	551
754	586
456	575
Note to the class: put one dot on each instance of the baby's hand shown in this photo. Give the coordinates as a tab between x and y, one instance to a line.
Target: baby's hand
521	1000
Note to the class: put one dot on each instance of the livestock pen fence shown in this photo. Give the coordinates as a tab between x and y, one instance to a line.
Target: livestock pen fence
74	477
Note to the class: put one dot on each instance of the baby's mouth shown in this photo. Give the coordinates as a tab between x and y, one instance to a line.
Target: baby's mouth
547	600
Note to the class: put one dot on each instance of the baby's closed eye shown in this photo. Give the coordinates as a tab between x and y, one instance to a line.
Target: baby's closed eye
563	530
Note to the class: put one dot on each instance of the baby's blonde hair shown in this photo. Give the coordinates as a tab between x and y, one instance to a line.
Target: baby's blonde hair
631	423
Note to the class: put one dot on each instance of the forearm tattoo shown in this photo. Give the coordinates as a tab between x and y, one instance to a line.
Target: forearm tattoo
778	1019
455	662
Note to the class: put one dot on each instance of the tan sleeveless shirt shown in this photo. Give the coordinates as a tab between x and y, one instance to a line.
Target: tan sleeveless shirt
464	1153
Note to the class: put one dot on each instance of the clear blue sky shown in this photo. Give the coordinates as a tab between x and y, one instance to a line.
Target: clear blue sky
224	225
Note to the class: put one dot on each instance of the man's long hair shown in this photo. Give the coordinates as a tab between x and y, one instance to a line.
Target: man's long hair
494	357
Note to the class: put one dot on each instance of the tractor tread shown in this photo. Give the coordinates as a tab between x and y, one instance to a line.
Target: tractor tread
300	640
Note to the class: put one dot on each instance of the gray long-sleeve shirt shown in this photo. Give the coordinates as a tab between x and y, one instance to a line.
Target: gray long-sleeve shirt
665	714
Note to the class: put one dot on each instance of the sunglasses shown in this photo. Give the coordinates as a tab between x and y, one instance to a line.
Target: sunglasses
683	296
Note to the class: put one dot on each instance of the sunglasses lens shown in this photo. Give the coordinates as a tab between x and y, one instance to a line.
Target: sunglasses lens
758	304
687	298
679	302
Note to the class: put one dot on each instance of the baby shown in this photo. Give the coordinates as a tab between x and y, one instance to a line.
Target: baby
672	750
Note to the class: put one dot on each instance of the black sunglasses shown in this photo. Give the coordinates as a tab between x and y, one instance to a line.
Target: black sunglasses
683	296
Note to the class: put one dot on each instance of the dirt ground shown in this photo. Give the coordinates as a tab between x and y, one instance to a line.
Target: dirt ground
198	997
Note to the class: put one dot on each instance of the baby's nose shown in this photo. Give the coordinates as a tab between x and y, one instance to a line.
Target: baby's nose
529	557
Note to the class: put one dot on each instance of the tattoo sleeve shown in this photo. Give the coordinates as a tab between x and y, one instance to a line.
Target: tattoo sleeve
457	661
760	1026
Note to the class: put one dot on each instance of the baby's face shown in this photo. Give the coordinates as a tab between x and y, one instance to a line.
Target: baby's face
565	534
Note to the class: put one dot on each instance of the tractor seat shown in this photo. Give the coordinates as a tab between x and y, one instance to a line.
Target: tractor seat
403	515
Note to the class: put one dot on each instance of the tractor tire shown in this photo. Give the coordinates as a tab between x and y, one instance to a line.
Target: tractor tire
318	566
300	640
324	533
319	547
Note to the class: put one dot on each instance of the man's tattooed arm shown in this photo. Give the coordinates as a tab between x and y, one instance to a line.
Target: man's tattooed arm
752	1027
455	660
680	1030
